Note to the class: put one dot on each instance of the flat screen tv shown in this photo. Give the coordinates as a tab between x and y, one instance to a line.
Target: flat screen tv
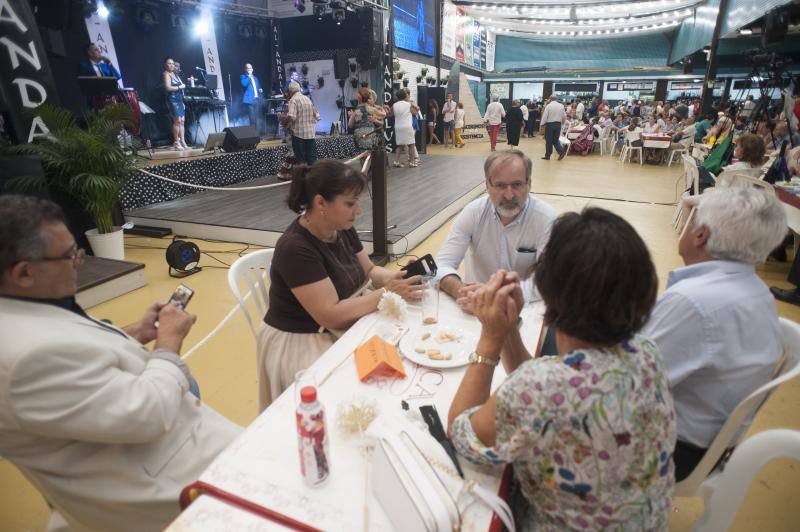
413	25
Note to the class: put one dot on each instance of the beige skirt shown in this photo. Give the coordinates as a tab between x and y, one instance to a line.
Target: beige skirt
281	355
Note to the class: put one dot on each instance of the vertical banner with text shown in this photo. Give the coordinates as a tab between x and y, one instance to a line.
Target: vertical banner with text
100	34
388	91
208	41
26	80
277	75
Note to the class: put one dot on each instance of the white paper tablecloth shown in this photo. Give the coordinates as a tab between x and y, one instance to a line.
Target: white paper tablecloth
262	465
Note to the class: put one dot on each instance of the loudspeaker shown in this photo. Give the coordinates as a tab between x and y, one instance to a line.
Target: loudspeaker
53	14
370	40
240	138
341	65
776	24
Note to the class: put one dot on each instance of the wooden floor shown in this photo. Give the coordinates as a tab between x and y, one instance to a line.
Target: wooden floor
415	196
225	366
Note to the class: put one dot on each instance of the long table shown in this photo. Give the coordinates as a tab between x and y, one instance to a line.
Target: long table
262	465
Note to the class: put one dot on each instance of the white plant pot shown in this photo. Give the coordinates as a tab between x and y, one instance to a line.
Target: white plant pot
107	245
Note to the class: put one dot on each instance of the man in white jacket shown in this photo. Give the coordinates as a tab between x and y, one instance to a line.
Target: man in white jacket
107	430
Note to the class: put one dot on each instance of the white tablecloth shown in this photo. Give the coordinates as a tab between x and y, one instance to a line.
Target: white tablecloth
262	465
661	143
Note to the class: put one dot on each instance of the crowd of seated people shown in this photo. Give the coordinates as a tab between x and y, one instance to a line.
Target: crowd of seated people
598	434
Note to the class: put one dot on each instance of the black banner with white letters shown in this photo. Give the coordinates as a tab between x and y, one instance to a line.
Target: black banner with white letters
26	80
387	78
277	74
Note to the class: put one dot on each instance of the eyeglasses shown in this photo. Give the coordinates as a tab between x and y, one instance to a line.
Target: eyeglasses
516	186
75	254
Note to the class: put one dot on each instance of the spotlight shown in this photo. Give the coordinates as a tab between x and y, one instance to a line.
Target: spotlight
102	10
300	5
339	13
201	26
319	10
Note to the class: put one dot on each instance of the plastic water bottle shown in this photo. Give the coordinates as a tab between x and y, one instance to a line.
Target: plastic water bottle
312	438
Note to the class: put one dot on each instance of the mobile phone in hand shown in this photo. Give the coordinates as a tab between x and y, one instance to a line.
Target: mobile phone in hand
181	297
424	266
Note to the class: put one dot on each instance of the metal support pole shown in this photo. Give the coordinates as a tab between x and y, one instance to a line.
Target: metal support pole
707	97
380	211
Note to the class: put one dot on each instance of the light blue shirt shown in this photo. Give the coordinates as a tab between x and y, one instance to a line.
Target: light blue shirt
479	238
718	332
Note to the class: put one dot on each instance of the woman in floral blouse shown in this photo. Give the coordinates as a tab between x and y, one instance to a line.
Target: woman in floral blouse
590	432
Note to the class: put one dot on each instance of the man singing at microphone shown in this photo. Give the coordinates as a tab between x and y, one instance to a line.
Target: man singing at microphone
96	64
252	95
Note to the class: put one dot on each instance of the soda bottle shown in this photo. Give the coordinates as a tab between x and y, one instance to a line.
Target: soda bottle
312	438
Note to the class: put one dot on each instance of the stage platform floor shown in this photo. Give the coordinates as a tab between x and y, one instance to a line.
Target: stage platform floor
420	200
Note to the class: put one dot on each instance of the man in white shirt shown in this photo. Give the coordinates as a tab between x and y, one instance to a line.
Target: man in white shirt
579	109
716	324
553	117
525	116
448	120
494	117
747	107
508	229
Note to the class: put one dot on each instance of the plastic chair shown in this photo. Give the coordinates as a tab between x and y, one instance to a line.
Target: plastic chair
742	178
704	474
628	149
602	140
724	493
683	150
691	179
252	269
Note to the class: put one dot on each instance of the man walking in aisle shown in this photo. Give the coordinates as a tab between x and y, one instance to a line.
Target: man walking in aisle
303	118
494	117
552	119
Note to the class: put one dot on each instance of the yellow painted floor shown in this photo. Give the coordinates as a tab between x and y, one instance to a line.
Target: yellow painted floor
225	366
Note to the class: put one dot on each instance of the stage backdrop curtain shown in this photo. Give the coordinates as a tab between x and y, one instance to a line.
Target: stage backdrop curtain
242	40
142	48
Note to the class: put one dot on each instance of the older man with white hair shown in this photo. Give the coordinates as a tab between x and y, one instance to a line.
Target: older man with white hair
303	118
716	324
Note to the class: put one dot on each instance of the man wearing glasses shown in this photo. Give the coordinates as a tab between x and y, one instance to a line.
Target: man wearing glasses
508	229
106	429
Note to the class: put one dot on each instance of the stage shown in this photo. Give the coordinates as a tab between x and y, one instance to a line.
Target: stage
419	201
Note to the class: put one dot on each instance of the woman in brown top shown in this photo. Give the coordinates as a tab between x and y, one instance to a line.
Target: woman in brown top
318	271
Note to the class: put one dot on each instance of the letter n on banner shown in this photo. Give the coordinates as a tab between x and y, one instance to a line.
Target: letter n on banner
388	96
26	80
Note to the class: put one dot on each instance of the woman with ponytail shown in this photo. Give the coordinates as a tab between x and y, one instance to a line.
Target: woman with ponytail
319	275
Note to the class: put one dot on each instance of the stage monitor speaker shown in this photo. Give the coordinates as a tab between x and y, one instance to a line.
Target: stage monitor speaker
776	24
240	138
370	40
341	65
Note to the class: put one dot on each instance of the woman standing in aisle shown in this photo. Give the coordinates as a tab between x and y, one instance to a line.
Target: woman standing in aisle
403	109
433	112
514	122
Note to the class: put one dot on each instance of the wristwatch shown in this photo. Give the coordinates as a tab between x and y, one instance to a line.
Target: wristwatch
475	358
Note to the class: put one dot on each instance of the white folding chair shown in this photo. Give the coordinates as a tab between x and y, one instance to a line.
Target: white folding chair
683	150
628	149
742	178
602	140
724	493
251	269
691	179
708	469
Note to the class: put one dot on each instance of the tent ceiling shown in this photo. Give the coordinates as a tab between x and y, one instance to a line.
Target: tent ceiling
579	18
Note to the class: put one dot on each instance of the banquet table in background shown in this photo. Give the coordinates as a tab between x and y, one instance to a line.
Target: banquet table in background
262	465
657	142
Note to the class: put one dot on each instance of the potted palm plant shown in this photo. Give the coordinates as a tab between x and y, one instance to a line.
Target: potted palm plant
419	79
89	166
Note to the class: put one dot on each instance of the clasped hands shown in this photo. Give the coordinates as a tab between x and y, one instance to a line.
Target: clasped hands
497	303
